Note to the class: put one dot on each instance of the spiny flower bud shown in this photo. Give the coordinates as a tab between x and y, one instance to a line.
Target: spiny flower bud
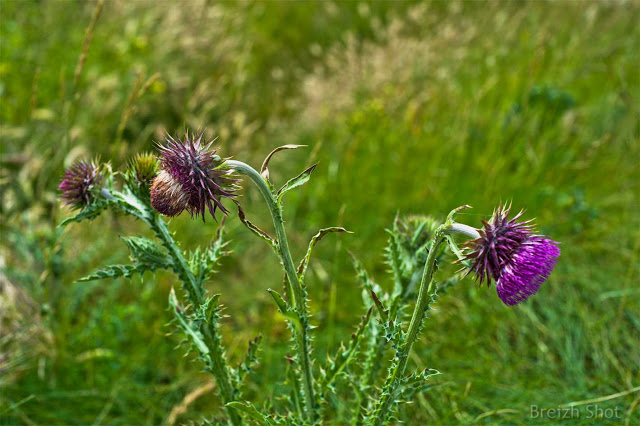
143	169
508	252
79	183
191	178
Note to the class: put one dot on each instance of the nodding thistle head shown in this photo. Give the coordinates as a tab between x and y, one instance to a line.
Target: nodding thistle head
143	169
509	253
79	183
191	178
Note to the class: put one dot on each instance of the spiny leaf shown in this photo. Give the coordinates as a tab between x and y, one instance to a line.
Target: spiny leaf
89	212
147	252
185	324
384	313
259	232
286	310
344	356
368	285
128	203
250	359
203	262
114	271
264	170
297	181
293	377
302	267
251	411
419	377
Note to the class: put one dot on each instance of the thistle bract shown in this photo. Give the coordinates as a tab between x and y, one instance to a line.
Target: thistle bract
509	253
191	178
143	169
78	184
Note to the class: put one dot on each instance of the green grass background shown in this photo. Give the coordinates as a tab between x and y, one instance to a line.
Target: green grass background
410	108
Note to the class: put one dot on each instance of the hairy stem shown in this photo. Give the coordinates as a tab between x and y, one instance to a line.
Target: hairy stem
219	366
427	291
297	291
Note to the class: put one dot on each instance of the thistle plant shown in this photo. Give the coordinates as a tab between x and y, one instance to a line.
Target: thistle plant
351	385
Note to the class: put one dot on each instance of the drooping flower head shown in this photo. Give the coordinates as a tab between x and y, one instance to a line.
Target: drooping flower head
79	183
509	253
191	178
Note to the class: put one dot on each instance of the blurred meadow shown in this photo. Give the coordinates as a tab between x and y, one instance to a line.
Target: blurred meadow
409	107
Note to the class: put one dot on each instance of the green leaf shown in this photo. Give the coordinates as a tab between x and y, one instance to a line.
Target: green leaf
280	302
384	313
302	267
128	203
345	355
148	252
186	326
114	271
368	285
250	359
90	212
417	382
251	411
285	309
297	181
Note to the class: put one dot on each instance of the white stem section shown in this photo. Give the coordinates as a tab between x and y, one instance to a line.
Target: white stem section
459	228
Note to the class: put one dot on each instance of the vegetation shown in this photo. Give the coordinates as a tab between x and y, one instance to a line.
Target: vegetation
409	108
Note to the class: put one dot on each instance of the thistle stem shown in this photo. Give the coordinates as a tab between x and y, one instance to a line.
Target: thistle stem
425	296
219	366
298	293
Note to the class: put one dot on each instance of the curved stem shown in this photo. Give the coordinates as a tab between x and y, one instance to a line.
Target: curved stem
427	289
298	293
425	296
463	229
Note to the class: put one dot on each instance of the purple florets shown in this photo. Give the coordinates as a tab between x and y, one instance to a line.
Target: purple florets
78	184
191	179
508	252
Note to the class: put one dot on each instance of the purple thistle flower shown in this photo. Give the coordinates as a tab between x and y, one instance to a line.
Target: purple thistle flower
508	252
191	178
78	184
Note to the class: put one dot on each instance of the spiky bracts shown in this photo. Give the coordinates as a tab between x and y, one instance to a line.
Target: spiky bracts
79	182
509	253
143	169
191	178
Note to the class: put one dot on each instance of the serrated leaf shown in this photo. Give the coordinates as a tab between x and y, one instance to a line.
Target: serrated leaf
184	323
302	267
297	181
147	252
128	203
203	262
293	377
344	357
264	170
90	212
284	308
250	359
114	271
417	382
384	313
251	411
368	285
